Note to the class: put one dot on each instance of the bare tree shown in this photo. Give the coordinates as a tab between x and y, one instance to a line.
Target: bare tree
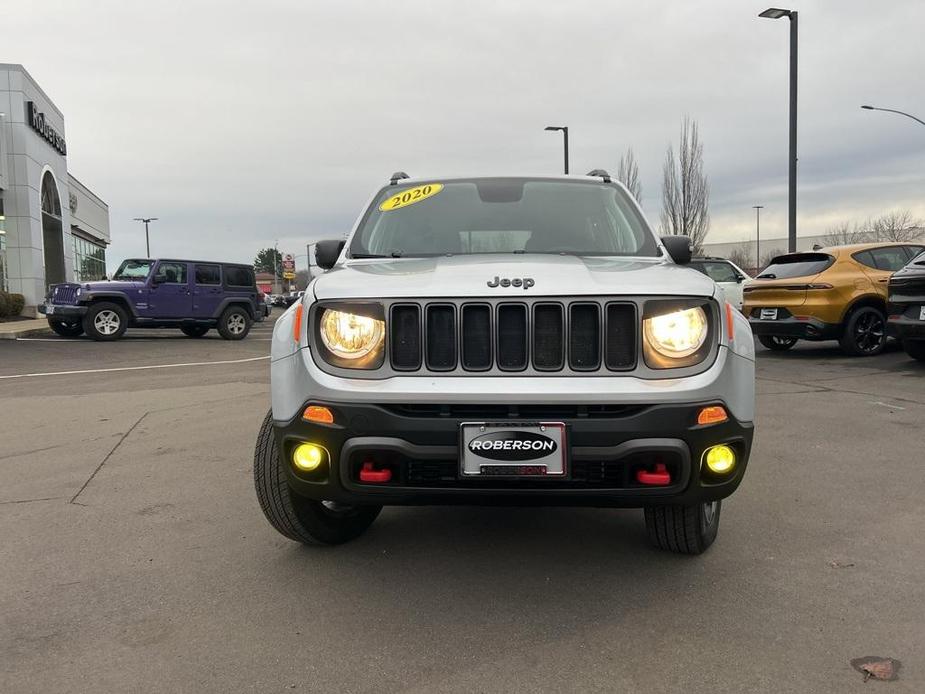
898	225
685	189
628	173
742	256
768	256
846	233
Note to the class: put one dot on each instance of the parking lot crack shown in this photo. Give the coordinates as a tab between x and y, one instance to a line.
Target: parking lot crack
107	457
29	501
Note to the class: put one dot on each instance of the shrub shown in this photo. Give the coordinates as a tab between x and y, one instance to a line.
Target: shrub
17	304
4	305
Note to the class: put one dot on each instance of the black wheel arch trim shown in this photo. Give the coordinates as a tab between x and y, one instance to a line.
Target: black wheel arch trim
227	302
120	297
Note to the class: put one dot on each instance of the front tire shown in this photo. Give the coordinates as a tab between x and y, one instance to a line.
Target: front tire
234	324
65	329
915	349
865	332
687	529
295	517
194	330
105	321
777	343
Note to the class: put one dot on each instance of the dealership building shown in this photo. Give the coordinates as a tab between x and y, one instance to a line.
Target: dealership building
52	227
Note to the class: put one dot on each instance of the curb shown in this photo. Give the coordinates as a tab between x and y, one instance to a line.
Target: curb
25	333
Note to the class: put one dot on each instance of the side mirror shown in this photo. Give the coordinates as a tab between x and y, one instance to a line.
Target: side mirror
679	248
158	278
739	279
327	253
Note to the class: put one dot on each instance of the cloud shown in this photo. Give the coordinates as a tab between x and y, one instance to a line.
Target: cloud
240	124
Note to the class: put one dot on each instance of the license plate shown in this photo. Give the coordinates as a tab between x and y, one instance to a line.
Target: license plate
512	449
921	312
769	314
49	310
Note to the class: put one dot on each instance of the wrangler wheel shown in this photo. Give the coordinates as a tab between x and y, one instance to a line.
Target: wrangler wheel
234	324
194	330
105	321
66	328
296	517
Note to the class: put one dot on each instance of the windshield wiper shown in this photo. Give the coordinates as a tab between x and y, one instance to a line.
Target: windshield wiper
768	276
363	256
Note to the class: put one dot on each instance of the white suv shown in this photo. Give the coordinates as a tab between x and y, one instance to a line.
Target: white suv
506	341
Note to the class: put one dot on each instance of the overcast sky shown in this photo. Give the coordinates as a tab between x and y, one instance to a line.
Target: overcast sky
242	123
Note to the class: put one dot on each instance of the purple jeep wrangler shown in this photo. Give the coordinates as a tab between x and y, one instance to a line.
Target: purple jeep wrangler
191	295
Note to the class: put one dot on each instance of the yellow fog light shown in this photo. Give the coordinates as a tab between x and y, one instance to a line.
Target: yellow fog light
720	459
307	457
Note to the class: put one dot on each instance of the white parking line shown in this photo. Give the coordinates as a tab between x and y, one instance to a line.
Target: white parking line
134	368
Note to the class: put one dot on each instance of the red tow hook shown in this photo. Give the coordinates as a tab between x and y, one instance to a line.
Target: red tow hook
659	478
370	474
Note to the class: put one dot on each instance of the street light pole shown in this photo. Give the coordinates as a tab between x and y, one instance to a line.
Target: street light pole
564	129
893	110
146	220
276	267
758	209
777	13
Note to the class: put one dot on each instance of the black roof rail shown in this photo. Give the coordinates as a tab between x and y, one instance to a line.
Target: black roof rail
397	176
600	173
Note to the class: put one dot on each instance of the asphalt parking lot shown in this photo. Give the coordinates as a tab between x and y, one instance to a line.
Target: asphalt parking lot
135	556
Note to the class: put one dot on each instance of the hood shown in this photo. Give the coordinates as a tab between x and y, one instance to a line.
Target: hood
466	276
110	285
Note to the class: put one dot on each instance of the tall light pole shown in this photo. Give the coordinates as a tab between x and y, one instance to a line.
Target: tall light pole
777	13
276	266
564	129
893	110
146	220
758	209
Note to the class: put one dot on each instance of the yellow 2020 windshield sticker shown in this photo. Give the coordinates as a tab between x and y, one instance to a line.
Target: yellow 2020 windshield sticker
409	196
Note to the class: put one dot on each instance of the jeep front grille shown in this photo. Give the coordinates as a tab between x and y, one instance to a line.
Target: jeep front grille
64	294
510	336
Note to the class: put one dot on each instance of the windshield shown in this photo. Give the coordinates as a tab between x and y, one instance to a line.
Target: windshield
133	270
502	215
796	265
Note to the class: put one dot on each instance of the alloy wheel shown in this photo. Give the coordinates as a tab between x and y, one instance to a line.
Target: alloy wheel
869	332
236	324
107	322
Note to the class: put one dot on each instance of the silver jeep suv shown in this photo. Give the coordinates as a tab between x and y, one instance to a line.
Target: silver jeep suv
506	341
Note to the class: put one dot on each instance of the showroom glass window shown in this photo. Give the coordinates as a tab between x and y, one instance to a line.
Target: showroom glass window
89	260
4	286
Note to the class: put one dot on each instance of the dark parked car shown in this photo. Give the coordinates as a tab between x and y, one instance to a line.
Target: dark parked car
292	297
907	307
263	305
191	295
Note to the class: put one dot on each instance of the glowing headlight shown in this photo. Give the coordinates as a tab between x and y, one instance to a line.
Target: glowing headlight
349	336
678	334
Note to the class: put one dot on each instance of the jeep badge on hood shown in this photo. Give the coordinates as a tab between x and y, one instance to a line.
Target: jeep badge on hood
526	282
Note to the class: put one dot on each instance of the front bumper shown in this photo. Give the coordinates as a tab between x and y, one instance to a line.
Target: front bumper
905	328
607	445
62	311
805	328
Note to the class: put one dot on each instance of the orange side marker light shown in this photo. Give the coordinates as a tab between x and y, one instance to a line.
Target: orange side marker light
714	414
318	413
297	324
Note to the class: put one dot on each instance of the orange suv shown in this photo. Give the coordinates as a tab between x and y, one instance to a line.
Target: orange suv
836	293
